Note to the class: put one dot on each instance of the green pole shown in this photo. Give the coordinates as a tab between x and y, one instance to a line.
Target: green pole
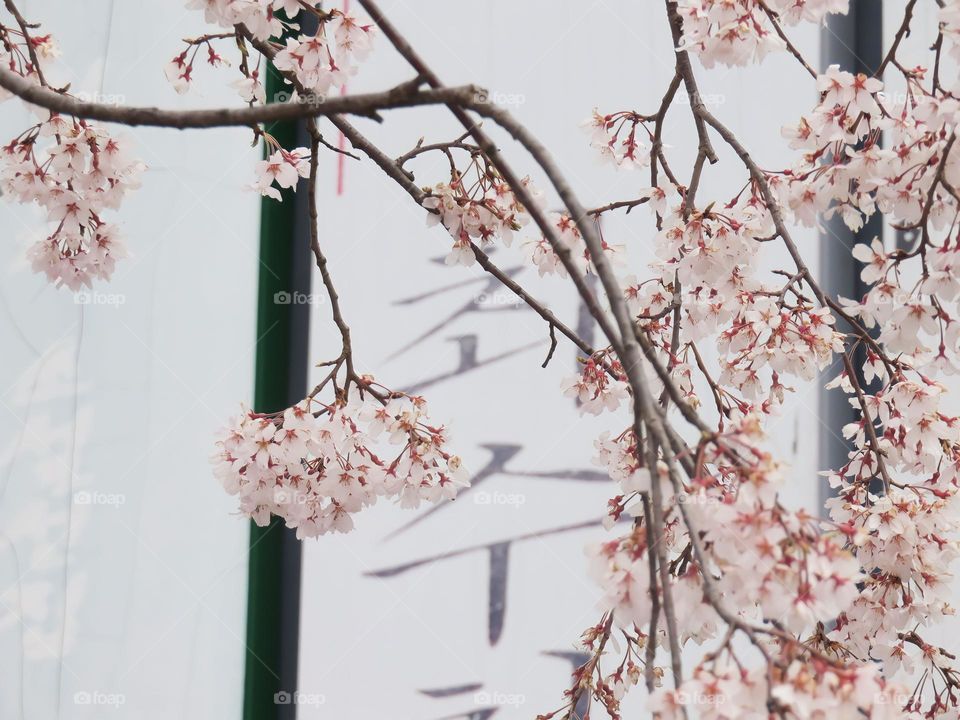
273	589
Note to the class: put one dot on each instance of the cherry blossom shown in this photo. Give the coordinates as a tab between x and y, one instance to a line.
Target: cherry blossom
76	171
615	137
483	211
250	88
283	168
594	389
784	611
319	62
737	32
879	568
805	691
317	465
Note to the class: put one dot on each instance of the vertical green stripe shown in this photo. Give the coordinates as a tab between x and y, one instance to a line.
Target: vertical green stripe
274	357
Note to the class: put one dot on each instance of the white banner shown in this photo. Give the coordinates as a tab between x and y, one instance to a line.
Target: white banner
472	609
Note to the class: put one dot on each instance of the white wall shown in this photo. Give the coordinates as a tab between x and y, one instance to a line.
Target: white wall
144	599
427	628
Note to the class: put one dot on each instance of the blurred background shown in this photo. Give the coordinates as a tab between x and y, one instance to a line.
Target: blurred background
124	584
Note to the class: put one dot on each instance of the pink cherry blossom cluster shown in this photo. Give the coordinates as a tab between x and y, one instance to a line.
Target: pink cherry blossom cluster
769	562
180	70
797	340
649	299
319	61
474	206
621	568
619	457
75	170
897	500
258	16
806	690
764	561
316	465
766	555
548	260
835	614
477	206
881	568
738	32
546	257
283	167
320	64
844	169
897	494
760	333
949	17
17	54
714	246
598	387
614	136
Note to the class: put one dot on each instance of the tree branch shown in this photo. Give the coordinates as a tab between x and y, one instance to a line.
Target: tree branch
407	94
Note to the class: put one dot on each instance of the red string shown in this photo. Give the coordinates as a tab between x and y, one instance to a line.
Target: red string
342	141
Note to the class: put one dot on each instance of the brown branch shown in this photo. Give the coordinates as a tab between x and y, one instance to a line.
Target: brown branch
772	16
628	204
685	70
444	147
586	670
659	547
553	347
25	31
346	353
868	428
626	344
902	32
492	152
407	94
657	148
396	173
650	654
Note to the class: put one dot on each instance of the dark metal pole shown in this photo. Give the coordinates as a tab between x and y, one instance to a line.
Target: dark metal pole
854	42
283	324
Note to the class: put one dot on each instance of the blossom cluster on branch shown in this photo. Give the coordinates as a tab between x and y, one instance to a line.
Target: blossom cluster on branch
74	170
878	573
738	32
320	60
316	465
788	613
